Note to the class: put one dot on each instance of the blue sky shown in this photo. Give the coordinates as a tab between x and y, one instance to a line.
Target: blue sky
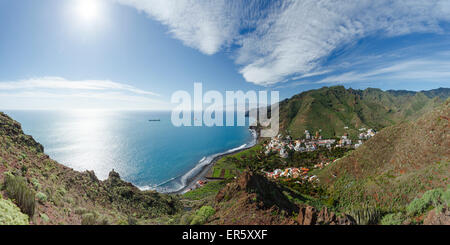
133	54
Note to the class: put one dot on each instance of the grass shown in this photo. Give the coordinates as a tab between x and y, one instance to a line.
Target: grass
216	172
208	190
242	154
228	174
227	163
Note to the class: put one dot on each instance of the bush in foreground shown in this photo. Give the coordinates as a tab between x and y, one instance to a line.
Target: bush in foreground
429	199
42	198
17	189
433	199
202	215
93	218
10	214
393	219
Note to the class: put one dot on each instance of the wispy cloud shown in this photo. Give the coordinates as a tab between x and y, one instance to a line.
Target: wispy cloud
61	93
61	83
278	40
204	25
411	70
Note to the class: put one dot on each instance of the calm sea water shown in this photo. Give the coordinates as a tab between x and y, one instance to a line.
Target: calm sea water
151	155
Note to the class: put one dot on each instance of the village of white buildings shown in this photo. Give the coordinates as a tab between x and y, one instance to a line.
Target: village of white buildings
282	145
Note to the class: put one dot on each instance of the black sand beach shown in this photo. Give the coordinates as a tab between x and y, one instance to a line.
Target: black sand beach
201	175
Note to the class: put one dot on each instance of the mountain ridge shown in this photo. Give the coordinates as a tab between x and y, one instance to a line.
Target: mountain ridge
332	109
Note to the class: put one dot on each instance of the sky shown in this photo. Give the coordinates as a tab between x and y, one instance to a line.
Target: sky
134	54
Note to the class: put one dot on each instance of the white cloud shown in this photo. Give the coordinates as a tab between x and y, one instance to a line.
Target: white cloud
412	70
61	83
204	25
289	38
60	93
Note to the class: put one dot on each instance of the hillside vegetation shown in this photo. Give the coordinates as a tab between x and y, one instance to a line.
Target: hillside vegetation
330	109
396	166
49	193
400	176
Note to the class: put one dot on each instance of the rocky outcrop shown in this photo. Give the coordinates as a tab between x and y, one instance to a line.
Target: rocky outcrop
435	217
126	194
268	194
92	176
252	199
262	194
309	216
13	129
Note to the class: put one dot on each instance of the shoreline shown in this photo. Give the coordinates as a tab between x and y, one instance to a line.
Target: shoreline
201	175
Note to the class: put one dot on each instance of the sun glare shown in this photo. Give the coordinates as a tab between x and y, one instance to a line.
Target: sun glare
88	10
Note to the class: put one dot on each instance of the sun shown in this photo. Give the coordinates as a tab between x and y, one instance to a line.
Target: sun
88	10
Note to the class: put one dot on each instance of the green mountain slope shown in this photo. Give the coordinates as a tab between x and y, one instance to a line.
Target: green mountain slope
331	109
395	166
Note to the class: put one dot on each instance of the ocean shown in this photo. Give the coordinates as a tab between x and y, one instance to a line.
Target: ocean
150	154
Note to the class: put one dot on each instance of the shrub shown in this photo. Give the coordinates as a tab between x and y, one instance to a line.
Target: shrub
80	211
420	205
202	215
57	199
10	214
432	197
393	219
61	191
17	189
122	222
24	169
417	206
366	214
89	219
69	200
132	220
331	202
446	197
35	183
186	219
42	198
104	221
44	217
